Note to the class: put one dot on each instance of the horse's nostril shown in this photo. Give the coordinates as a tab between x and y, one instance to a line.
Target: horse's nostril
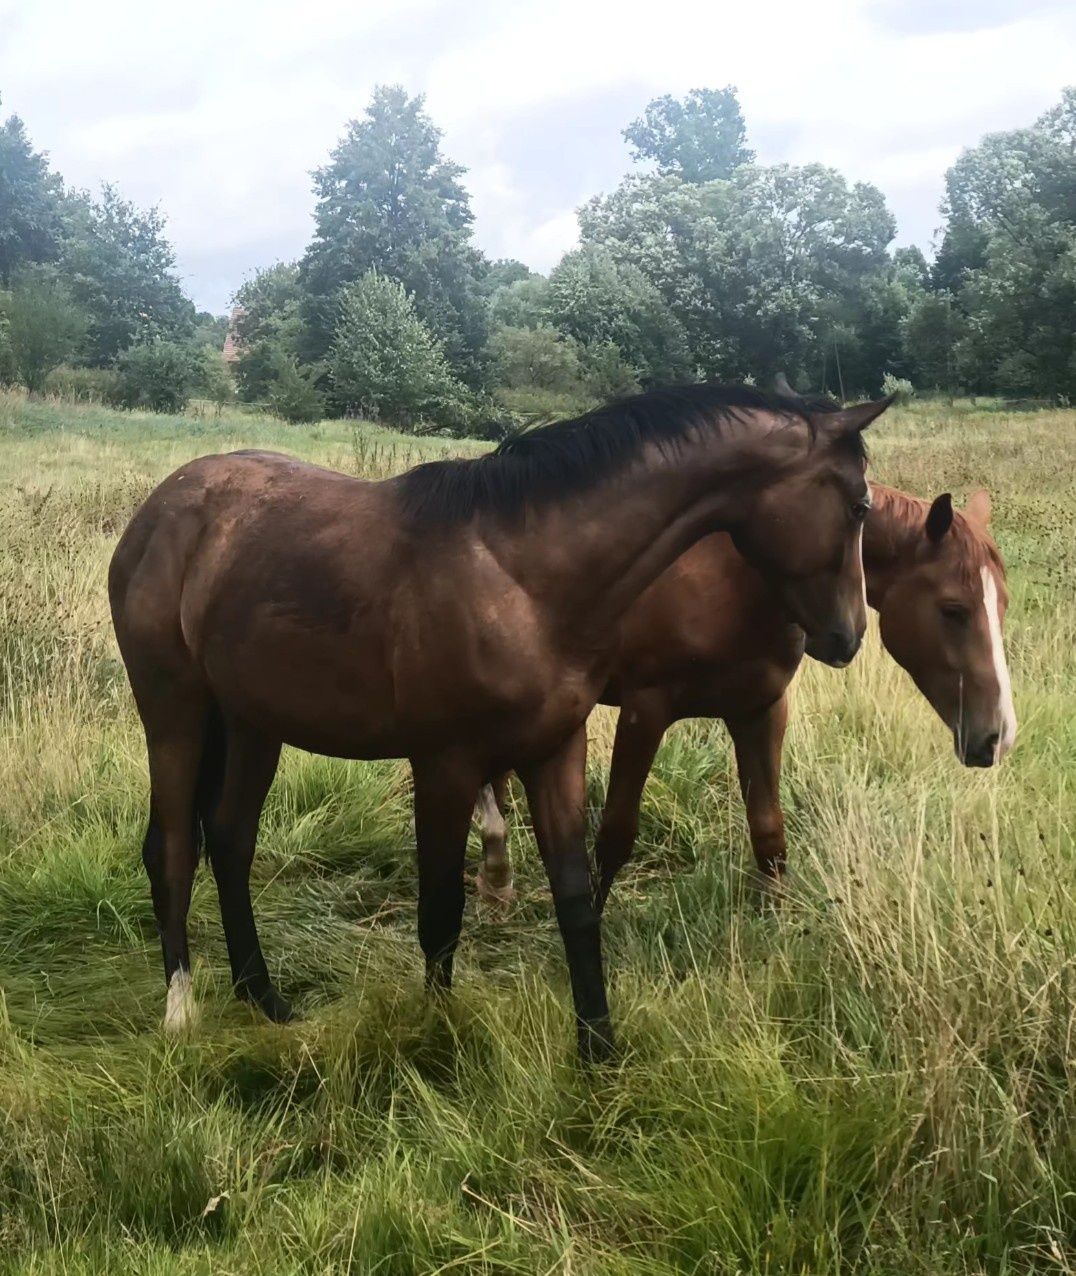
984	753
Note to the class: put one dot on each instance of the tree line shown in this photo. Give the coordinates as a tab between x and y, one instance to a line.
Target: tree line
702	263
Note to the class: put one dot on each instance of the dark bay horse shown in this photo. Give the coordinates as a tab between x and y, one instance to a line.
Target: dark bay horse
464	616
709	640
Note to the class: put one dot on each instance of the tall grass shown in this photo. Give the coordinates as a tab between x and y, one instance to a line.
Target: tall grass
875	1077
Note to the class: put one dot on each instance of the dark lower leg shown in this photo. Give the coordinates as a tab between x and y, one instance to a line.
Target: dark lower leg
231	830
445	792
556	792
169	853
758	742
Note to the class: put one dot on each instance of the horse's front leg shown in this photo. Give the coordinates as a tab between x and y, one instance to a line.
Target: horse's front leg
556	793
758	741
445	791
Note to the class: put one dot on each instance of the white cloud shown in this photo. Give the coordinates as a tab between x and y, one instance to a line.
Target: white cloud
218	112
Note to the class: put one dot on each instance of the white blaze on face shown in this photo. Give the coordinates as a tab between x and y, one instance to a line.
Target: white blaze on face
1006	711
180	1009
862	572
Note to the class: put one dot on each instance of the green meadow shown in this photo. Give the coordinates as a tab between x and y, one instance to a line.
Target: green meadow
875	1077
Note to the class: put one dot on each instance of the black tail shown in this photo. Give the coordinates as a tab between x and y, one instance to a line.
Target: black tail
210	776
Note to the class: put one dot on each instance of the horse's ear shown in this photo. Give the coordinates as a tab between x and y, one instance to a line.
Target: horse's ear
977	509
940	517
851	420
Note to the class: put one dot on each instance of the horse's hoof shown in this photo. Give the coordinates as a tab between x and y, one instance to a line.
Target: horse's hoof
596	1045
181	1010
275	1007
498	899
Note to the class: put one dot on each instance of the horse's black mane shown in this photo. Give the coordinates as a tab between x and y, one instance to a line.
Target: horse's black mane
537	466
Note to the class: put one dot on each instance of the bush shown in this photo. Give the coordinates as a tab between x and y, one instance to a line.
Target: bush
43	328
292	393
529	405
608	373
160	375
84	385
386	363
215	381
536	358
521	304
900	386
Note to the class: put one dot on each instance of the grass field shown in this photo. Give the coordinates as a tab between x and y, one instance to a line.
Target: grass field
878	1077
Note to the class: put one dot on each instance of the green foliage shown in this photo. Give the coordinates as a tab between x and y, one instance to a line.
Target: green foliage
31	203
504	272
524	303
215	381
84	385
267	305
1009	256
159	375
44	328
932	334
386	364
121	271
608	373
539	357
389	201
701	138
268	328
543	373
748	266
209	330
601	302
292	393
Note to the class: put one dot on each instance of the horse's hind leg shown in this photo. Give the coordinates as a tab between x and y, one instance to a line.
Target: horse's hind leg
231	831
644	718
174	743
494	878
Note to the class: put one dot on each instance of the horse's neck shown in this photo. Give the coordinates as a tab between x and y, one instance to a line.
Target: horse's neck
592	556
890	535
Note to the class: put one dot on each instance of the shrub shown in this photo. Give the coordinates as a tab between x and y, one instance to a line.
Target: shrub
608	373
84	385
520	304
536	358
215	381
386	363
292	393
159	375
43	328
900	386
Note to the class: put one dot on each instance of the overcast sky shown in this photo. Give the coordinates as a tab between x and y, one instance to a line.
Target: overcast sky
218	111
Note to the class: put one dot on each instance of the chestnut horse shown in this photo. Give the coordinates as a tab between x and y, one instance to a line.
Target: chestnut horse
709	640
464	616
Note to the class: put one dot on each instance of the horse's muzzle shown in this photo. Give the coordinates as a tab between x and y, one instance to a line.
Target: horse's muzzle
982	752
837	647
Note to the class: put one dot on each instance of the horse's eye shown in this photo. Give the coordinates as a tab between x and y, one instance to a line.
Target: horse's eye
860	510
955	612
